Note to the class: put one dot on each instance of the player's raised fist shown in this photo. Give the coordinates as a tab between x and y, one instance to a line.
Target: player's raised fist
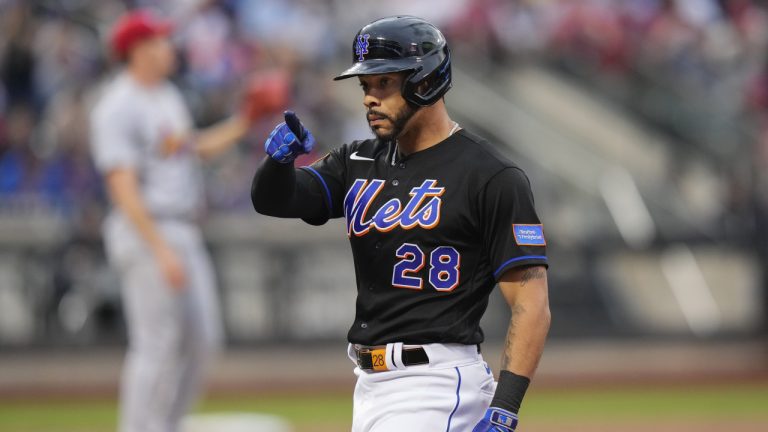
497	420
289	140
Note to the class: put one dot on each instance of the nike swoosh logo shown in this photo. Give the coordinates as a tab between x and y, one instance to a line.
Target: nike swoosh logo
354	156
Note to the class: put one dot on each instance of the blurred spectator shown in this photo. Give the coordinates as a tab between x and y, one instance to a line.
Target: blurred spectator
207	40
17	61
18	166
293	31
66	54
214	60
592	31
69	181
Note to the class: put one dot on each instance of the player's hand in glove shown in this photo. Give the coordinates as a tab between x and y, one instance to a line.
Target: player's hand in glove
289	140
497	420
502	414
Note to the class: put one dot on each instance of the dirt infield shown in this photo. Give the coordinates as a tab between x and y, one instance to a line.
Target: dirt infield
95	372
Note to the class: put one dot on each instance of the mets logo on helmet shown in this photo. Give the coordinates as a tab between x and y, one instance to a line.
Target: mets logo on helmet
361	46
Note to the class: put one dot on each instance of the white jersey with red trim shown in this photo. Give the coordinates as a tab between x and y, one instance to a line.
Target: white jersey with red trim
145	128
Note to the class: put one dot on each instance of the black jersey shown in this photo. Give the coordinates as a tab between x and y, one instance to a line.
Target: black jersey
431	233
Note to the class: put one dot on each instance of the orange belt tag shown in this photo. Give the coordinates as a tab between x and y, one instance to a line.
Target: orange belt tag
378	358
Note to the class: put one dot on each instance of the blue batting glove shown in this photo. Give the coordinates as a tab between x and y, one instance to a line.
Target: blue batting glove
289	140
497	420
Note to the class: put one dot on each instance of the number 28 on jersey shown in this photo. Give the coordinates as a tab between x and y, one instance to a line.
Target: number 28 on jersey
422	210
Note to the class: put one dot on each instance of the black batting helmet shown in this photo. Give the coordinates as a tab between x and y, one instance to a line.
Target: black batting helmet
400	44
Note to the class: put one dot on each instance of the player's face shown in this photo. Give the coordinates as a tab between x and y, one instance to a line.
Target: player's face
386	110
158	53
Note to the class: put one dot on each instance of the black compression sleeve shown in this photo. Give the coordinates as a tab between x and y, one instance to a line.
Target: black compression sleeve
510	391
283	191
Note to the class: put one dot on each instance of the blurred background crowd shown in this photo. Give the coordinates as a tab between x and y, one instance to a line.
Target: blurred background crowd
693	74
699	64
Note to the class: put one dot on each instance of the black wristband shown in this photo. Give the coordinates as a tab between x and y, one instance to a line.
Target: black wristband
510	391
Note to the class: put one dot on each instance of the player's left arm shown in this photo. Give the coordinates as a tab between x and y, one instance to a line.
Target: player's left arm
525	290
517	248
220	137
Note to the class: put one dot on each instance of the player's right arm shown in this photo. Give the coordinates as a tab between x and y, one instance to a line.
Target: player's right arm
279	189
123	188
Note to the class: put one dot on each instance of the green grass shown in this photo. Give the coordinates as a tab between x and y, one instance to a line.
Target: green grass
332	409
623	406
705	403
95	416
49	416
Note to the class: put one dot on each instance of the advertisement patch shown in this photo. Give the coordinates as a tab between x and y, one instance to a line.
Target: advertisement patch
529	235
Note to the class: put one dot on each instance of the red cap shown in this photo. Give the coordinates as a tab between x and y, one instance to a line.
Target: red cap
134	27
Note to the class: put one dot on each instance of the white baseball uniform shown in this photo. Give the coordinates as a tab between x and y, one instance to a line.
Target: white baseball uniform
172	334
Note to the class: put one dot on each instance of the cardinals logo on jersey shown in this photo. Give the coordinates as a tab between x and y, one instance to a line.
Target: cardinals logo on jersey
423	208
171	143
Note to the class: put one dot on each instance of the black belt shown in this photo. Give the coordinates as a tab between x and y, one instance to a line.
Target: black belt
373	358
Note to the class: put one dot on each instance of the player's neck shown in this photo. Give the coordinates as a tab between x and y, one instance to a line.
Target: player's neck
430	126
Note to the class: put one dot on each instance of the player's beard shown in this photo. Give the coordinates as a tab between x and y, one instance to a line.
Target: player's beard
398	122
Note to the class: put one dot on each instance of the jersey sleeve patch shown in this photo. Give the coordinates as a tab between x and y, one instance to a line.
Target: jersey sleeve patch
529	234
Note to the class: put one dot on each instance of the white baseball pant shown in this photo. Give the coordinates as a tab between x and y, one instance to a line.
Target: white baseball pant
449	394
172	335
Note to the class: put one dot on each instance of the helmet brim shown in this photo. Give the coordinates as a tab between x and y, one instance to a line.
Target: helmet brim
380	67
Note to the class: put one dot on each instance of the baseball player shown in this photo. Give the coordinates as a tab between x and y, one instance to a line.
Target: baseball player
144	144
436	217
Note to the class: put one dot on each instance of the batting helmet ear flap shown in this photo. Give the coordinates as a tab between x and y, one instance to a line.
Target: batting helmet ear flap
409	86
424	88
